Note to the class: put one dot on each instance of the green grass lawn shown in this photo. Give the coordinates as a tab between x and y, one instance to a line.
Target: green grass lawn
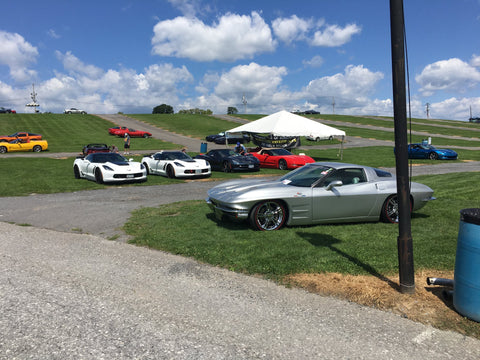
70	133
367	248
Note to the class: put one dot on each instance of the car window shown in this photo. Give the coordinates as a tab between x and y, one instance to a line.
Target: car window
307	175
382	173
346	176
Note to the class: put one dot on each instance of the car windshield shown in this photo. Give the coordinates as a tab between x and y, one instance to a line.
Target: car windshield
176	155
307	175
106	157
427	147
279	152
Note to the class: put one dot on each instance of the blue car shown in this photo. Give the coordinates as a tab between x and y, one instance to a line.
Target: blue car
425	151
228	160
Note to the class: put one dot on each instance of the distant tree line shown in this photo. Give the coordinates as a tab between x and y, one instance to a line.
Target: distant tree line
163	109
196	111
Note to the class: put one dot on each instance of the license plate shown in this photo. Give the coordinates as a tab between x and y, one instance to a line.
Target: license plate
129	176
198	171
250	166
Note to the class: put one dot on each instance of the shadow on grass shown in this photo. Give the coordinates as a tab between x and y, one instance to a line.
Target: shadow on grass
329	242
226	223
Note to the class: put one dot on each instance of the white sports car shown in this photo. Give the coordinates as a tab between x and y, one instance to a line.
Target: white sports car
176	164
108	167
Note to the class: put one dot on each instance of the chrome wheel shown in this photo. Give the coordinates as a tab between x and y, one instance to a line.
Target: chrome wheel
268	215
390	210
282	164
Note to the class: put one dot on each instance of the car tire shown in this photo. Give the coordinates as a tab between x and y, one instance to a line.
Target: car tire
76	172
145	136
390	210
37	148
227	167
147	168
433	156
3	149
317	139
268	215
170	172
282	164
98	176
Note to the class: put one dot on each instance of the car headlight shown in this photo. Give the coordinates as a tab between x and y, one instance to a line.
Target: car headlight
106	167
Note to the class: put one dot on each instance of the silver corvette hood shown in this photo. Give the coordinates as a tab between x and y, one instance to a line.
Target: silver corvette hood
245	190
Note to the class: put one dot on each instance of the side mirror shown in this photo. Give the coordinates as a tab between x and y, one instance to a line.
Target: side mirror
131	159
334	184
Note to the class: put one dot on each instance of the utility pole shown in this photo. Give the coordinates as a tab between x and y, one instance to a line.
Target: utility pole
428	110
333	104
404	240
244	102
34	103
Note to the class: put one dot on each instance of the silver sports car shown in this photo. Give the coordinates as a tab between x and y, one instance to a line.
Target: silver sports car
313	194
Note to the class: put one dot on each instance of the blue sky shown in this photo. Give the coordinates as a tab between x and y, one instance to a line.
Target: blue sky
130	56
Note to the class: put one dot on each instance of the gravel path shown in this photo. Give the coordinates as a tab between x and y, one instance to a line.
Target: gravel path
76	296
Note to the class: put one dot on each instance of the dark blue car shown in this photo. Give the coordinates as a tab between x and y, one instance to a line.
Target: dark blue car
228	160
426	151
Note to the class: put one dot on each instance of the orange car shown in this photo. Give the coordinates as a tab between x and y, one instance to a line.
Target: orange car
20	135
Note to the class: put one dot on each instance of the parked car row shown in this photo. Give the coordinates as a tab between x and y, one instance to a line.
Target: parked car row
221	138
4	110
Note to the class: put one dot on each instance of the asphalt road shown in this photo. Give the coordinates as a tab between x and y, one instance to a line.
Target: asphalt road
77	296
66	292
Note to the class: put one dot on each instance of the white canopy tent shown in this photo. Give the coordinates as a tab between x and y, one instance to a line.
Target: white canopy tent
284	123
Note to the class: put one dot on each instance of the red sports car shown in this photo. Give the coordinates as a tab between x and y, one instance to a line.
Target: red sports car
121	130
281	159
20	135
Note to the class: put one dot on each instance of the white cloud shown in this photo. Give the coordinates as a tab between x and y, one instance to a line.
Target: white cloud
334	35
96	90
449	75
53	34
314	62
355	83
17	54
188	8
233	37
75	66
475	60
291	29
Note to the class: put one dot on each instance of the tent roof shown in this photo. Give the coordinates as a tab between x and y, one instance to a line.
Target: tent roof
284	123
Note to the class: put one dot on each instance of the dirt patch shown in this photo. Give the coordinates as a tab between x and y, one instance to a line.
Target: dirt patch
428	305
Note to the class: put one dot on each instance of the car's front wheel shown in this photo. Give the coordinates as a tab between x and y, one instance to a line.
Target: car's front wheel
170	172
227	167
282	164
145	136
3	149
76	172
147	168
433	156
98	176
268	215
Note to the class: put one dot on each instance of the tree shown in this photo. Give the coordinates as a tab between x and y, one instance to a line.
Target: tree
162	109
232	110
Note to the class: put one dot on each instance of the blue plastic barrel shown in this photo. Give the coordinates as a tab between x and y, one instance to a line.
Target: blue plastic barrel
203	147
466	291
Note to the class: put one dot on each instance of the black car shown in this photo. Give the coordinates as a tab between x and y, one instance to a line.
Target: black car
95	148
220	138
228	160
311	112
6	111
